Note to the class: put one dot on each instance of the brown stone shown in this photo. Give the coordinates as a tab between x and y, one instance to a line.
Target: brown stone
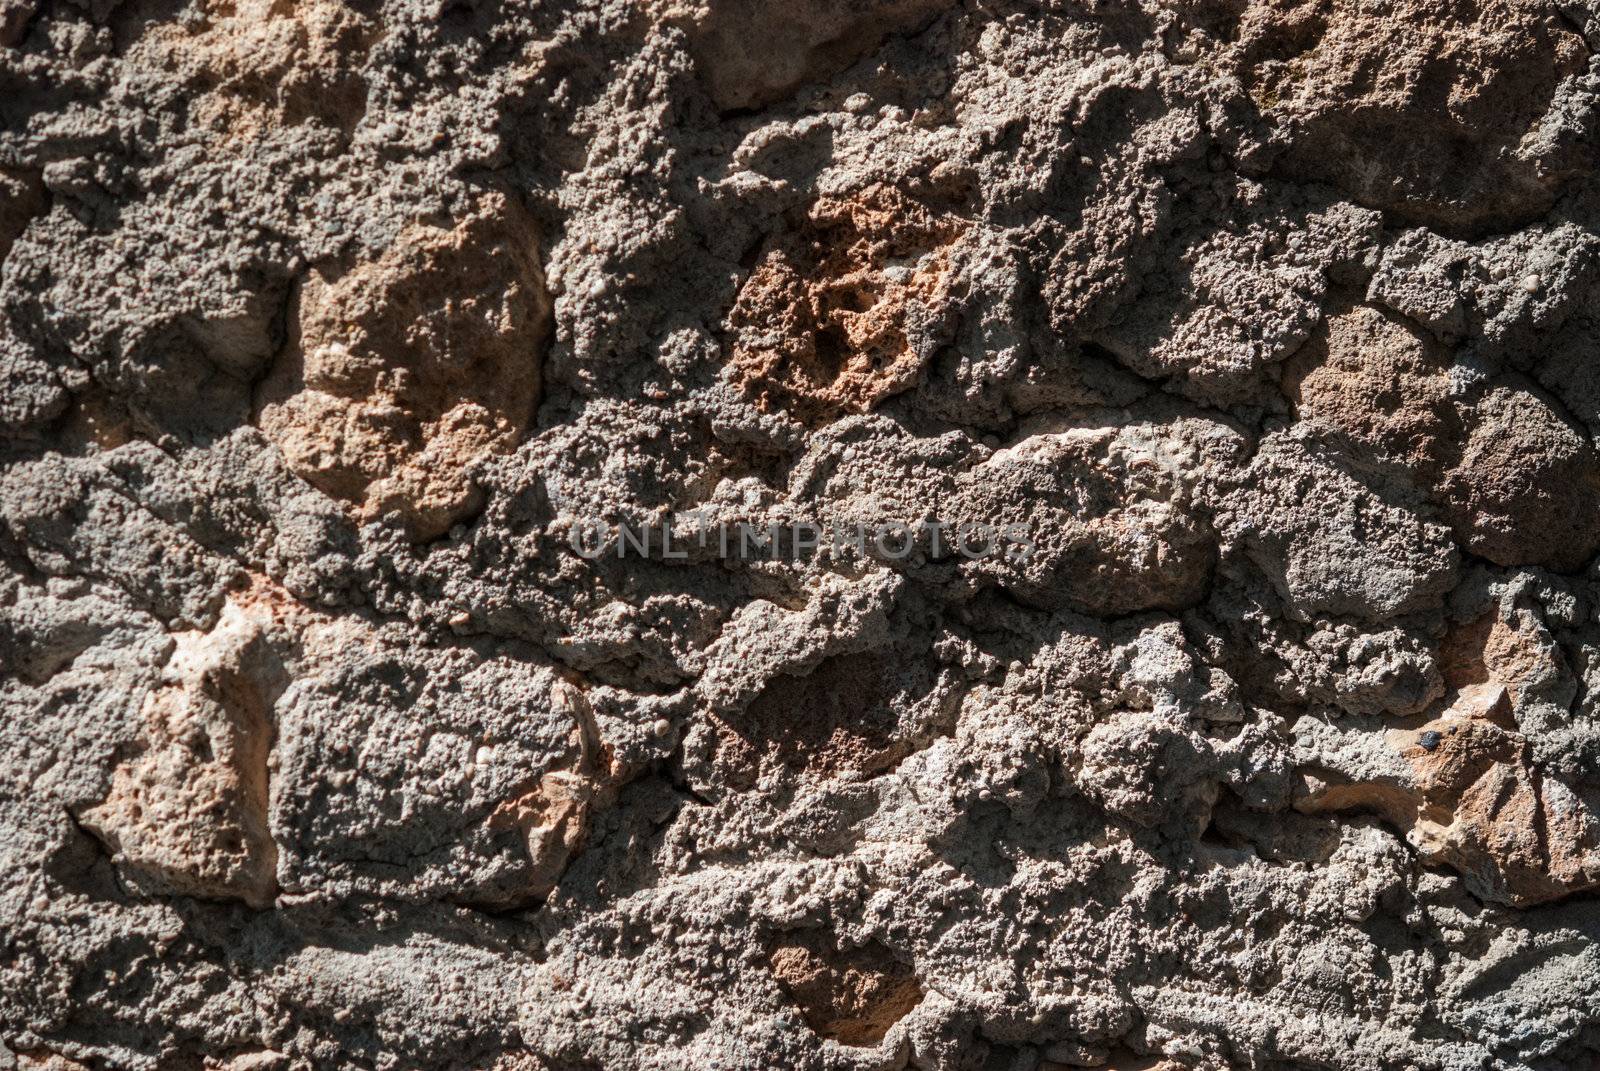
1492	656
1526	490
1516	479
405	370
850	997
553	815
821	328
1381	387
188	813
1419	107
267	64
750	53
1475	801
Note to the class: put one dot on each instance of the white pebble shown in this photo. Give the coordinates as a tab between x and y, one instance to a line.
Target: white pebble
1531	283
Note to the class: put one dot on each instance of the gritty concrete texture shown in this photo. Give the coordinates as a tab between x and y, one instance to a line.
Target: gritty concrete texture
327	328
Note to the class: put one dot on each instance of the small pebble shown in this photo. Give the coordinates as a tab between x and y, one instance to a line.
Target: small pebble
662	727
1531	284
1430	740
460	619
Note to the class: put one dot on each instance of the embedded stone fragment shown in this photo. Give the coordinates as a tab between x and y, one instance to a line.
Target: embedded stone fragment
845	310
1380	389
554	816
1329	544
1499	658
406	370
1231	304
1474	799
188	813
853	997
1527	488
750	53
1518	481
266	64
1115	512
475	781
1476	803
1376	98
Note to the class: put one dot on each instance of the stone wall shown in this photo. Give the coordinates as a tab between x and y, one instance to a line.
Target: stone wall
1267	333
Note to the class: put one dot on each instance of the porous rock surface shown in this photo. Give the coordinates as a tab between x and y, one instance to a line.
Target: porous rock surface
329	327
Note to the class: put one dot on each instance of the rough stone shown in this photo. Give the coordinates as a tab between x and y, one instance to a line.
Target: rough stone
405	371
188	814
843	535
730	40
1378	97
842	313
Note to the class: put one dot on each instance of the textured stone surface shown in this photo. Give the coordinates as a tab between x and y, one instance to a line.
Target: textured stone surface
837	317
328	330
402	372
188	813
